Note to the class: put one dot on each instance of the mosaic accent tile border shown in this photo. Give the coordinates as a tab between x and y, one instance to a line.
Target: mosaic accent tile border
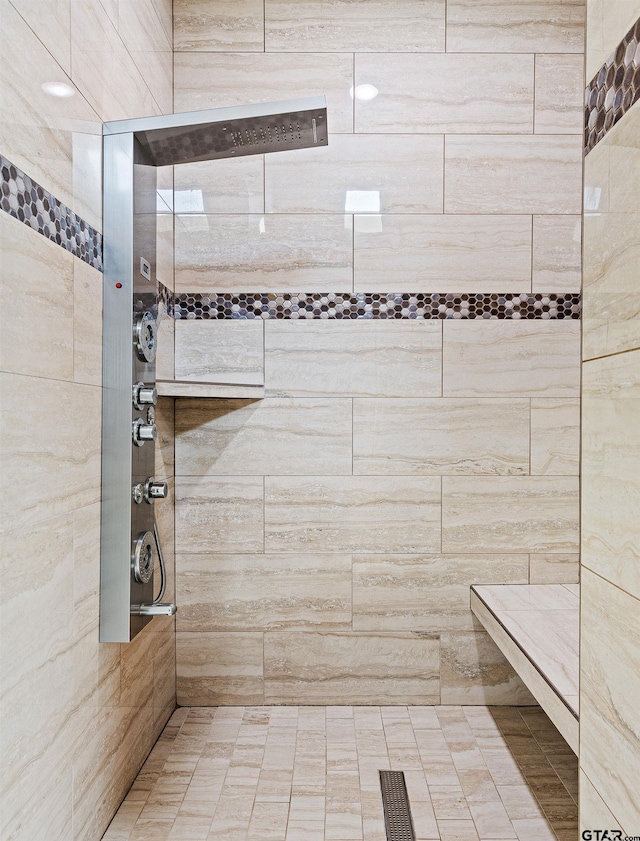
25	200
166	299
614	89
332	305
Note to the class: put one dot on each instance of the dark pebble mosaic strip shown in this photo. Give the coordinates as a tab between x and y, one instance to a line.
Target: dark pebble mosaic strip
27	201
375	305
614	89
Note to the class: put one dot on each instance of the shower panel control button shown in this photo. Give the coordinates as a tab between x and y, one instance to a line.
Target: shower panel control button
138	493
155	490
145	336
144	395
142	432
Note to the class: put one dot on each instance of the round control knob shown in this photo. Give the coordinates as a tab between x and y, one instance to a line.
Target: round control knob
145	334
138	493
144	395
155	490
143	557
143	432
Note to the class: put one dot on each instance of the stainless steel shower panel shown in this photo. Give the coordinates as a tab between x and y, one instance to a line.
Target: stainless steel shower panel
130	220
132	150
230	132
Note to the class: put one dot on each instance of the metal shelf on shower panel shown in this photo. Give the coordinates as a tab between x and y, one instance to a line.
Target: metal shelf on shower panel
190	388
537	628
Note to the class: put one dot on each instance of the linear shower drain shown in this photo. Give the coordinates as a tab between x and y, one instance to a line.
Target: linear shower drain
397	812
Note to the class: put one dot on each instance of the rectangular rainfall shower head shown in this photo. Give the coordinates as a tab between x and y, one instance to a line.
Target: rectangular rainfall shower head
229	132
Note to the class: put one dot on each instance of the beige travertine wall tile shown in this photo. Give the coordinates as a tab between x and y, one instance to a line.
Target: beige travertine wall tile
353	358
446	93
56	472
444	253
473	670
165	442
407	26
36	304
560	84
98	55
608	21
594	812
352	513
87	323
516	26
220	351
609	687
218	25
610	452
511	358
149	45
554	569
425	592
350	668
612	243
510	514
86	570
50	20
219	668
283	253
223	186
212	80
39	133
557	253
555	437
273	436
262	592
541	174
403	172
165	520
166	354
440	436
164	249
224	514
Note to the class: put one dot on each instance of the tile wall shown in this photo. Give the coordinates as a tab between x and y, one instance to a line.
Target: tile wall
610	628
77	718
327	535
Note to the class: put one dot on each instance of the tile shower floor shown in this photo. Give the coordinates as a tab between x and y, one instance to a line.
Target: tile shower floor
311	774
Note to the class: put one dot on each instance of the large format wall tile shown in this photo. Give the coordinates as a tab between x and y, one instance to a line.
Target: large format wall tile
51	470
400	174
611	483
446	93
557	254
610	686
272	436
594	812
87	323
511	359
555	437
353	358
220	351
473	670
350	668
352	513
513	174
283	253
425	592
53	28
440	436
218	25
406	26
36	304
608	21
443	253
554	569
516	26
559	100
612	242
212	80
510	514
223	186
219	668
262	592
222	514
148	43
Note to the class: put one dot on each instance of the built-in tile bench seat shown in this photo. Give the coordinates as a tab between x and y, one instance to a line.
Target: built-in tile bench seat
537	626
